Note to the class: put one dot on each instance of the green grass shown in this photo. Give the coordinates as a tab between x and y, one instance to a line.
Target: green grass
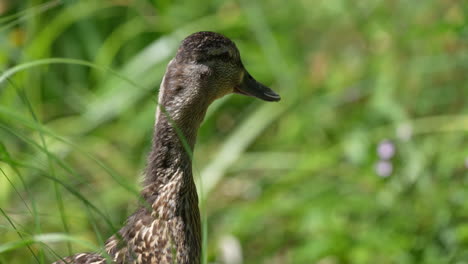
294	181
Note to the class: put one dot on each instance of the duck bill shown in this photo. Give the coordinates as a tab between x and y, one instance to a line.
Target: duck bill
250	87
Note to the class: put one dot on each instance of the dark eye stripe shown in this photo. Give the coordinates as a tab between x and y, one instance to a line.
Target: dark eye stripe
225	56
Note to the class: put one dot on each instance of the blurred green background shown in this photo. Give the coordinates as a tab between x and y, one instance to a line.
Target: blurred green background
365	159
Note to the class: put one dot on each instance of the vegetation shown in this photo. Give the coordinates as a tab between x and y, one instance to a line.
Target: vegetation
364	160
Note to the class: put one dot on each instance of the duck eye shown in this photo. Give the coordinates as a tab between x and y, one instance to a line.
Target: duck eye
178	88
225	56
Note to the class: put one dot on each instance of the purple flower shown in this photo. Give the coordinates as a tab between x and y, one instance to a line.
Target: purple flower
384	168
386	149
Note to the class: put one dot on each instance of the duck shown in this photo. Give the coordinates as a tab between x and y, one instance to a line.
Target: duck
166	226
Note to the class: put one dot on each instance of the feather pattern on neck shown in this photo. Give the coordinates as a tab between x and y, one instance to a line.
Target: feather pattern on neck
172	223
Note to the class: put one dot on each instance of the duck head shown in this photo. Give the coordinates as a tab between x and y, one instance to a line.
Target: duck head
208	66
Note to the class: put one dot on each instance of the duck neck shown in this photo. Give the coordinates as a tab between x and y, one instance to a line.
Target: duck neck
170	160
171	211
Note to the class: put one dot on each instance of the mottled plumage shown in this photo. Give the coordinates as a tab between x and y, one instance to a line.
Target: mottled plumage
166	229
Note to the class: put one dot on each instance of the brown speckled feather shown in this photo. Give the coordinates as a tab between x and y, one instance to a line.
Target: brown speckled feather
83	258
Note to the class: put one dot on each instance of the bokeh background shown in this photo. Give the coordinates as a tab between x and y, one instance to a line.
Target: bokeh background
364	160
